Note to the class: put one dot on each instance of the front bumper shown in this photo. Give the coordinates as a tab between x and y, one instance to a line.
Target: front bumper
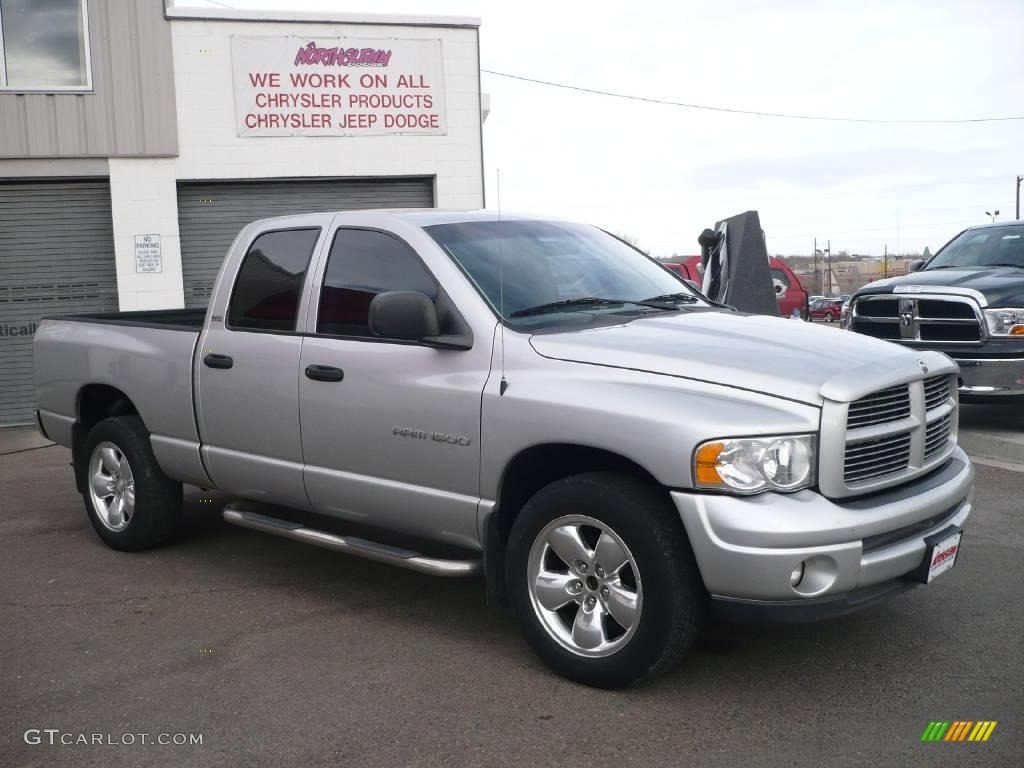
990	376
852	553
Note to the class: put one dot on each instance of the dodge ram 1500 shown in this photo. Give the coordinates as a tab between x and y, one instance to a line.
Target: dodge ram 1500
535	400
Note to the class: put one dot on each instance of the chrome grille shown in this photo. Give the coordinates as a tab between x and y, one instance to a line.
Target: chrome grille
880	407
937	436
936	391
889	436
920	318
876	458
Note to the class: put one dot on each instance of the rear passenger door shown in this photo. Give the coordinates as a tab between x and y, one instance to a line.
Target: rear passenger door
394	443
247	367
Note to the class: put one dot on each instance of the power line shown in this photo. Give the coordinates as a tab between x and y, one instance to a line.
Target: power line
873	229
735	111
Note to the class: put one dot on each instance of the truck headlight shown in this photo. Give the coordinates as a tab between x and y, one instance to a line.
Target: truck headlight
1005	322
755	464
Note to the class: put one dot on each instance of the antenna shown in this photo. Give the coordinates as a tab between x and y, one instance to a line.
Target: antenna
503	385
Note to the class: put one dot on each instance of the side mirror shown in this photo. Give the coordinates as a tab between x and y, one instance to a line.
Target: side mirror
407	315
917	265
412	316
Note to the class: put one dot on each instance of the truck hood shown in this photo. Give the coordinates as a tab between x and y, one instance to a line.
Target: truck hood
784	358
1001	286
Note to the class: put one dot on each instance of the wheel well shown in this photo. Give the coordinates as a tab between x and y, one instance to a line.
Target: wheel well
527	473
96	402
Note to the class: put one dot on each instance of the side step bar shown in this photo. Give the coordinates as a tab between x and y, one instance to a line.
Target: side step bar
352	545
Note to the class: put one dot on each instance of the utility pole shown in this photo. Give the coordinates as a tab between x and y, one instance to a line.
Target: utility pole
828	267
817	285
885	261
1019	180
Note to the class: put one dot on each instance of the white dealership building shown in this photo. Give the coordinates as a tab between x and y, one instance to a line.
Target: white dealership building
129	162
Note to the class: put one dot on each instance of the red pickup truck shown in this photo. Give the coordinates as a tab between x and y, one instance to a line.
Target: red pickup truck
788	290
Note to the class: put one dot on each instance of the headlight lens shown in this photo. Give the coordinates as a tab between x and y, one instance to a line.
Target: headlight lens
1005	322
755	464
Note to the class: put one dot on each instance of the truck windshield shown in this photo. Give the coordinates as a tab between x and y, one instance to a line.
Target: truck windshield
990	247
530	268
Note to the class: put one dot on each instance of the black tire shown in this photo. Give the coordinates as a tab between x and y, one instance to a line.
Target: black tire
674	602
828	317
157	507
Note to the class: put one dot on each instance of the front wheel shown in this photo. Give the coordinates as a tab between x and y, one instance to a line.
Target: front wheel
132	504
603	581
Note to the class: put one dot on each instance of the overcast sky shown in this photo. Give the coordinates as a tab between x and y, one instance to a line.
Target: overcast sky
662	173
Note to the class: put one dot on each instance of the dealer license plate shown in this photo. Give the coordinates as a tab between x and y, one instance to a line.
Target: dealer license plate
943	555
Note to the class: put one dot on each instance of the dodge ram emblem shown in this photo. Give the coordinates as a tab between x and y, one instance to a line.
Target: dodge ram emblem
906	318
924	368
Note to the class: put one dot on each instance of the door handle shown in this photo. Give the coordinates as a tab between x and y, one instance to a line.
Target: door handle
324	373
218	361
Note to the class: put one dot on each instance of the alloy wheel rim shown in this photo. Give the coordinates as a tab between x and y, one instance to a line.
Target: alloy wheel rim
584	586
111	486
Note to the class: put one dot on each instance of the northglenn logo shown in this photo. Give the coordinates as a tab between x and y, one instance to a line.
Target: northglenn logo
959	730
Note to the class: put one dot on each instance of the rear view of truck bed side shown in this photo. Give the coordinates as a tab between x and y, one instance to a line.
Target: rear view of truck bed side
133	362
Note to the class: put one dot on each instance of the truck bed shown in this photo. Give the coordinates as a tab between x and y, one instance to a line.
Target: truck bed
166	319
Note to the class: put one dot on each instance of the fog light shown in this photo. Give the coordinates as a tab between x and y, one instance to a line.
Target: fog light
797	575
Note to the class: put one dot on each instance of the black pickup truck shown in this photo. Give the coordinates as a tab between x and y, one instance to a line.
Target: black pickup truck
966	301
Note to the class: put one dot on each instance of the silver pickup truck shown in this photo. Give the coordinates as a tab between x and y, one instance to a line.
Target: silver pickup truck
535	400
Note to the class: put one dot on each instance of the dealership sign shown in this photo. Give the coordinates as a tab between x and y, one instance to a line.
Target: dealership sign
297	86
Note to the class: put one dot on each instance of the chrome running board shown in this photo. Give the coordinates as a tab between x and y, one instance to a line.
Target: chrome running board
236	514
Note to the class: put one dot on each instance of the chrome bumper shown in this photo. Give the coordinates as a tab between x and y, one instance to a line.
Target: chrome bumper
748	548
991	377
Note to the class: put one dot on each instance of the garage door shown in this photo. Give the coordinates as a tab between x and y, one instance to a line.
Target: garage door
56	257
212	213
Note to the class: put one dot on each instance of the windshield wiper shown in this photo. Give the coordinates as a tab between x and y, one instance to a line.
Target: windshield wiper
682	296
587	301
1003	264
553	306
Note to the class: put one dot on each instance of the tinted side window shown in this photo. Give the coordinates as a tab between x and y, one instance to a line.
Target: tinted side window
362	264
269	284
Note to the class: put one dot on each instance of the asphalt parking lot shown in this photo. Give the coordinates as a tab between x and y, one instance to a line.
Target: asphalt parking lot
283	654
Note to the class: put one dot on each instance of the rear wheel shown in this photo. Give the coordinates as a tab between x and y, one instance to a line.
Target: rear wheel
829	317
603	581
132	504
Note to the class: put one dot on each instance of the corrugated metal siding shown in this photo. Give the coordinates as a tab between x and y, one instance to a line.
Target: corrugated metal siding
131	110
211	214
56	257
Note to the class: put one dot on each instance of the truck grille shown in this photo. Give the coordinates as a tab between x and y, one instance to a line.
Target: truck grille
936	391
896	433
890	404
875	458
937	436
920	318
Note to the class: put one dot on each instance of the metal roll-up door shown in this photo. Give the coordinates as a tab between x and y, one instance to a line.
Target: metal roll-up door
56	257
211	213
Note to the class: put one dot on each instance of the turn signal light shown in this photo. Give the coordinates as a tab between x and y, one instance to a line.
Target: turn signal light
707	463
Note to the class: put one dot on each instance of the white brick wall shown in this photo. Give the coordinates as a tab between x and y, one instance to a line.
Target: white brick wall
144	201
210	148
